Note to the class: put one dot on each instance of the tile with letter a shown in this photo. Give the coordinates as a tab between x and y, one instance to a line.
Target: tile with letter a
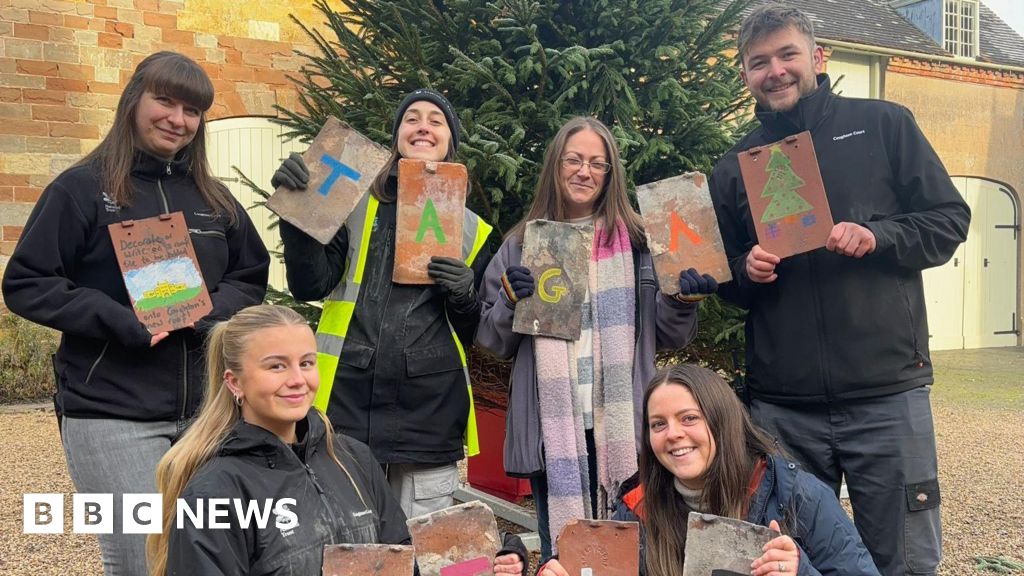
682	229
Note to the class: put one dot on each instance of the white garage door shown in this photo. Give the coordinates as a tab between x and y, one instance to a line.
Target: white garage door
972	299
253	146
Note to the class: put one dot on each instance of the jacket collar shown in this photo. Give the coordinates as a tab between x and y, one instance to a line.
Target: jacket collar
806	115
759	505
249	439
151	167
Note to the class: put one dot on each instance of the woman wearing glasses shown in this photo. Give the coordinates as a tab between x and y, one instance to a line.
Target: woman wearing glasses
573	421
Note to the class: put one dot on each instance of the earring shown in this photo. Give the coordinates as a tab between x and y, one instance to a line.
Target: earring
238	400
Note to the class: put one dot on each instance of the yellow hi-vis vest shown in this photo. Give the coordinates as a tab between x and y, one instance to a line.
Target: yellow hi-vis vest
340	305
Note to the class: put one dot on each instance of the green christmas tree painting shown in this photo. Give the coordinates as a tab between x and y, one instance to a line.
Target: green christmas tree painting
781	188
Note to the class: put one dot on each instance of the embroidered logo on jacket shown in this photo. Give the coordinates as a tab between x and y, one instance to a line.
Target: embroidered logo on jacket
848	135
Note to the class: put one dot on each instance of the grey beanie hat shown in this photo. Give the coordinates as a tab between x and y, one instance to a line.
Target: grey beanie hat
438	100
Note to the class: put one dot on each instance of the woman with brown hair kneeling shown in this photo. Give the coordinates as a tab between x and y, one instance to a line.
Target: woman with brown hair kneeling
701	453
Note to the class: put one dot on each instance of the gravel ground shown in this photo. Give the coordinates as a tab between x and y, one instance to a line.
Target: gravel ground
978	403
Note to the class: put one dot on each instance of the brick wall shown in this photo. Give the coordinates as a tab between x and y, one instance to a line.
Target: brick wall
63	65
956	72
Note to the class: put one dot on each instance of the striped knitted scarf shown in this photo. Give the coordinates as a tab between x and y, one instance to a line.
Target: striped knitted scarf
613	304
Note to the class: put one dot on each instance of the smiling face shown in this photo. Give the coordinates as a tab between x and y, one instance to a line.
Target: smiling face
679	434
165	125
581	184
424	133
781	67
278	378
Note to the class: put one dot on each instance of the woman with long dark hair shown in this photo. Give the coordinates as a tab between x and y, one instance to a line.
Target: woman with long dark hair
123	393
701	453
573	422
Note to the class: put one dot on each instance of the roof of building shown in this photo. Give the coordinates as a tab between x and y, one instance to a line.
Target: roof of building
876	23
1000	44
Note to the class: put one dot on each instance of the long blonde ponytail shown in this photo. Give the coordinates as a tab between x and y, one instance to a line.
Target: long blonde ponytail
217	416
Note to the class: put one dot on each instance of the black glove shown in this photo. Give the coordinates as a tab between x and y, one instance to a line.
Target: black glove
518	283
693	287
513	544
454	277
292	174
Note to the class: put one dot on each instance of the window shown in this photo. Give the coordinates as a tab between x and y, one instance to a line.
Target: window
960	27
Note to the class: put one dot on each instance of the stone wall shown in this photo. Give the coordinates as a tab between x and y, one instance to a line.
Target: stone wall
63	65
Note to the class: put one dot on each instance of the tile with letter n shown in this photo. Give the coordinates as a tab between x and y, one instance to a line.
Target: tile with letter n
786	195
368	559
431	202
160	271
457	541
558	256
723	546
682	229
342	164
600	548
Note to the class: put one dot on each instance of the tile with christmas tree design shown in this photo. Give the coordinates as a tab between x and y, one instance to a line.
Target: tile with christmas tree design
431	203
786	195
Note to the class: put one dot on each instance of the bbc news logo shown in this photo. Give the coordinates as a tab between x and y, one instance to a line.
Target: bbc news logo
143	513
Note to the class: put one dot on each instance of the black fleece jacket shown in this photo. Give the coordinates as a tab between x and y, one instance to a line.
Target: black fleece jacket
333	506
400	387
832	327
64	275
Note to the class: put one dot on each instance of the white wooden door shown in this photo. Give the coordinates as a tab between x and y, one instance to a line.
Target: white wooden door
944	297
254	146
991	319
972	299
853	75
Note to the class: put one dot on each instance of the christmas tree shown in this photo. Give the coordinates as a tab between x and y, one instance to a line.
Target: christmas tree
781	188
654	71
659	73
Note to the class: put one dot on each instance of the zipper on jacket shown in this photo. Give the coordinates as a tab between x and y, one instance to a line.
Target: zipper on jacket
184	379
380	330
184	348
96	363
324	505
770	474
638	315
199	232
918	357
163	197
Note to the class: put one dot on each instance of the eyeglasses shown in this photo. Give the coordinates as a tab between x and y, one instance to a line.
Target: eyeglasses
574	163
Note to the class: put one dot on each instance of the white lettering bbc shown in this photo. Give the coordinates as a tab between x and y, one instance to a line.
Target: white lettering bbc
91	513
143	513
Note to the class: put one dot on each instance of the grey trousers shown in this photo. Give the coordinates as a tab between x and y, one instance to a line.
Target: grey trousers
885	447
117	457
423	488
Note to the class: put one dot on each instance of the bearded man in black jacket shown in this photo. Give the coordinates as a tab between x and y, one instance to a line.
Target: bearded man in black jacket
837	339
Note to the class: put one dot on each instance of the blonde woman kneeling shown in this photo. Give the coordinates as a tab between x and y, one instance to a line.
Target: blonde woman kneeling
258	440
